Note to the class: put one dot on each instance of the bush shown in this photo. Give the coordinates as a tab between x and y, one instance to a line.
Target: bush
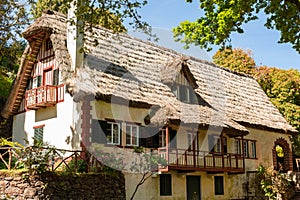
274	184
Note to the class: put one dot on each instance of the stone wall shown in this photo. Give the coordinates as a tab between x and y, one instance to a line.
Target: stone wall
62	186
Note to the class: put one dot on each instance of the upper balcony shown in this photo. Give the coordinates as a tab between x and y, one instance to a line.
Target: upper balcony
195	160
43	96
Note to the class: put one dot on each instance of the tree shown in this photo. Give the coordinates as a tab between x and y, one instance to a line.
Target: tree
13	18
137	162
235	59
107	13
92	14
281	86
221	18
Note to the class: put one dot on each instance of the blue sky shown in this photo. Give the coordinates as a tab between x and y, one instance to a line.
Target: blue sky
165	14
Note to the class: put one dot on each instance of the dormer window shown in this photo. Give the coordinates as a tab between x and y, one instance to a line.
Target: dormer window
183	90
48	44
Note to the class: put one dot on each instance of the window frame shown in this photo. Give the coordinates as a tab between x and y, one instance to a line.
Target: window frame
130	134
165	184
249	148
252	153
110	129
246	149
237	146
183	90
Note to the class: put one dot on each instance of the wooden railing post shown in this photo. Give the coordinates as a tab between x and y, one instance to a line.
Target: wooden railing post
167	144
75	162
9	158
177	157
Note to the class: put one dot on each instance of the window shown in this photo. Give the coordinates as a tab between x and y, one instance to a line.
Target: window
165	184
113	130
183	90
37	81
162	138
215	144
246	151
237	146
219	185
38	134
55	77
48	44
252	149
132	135
249	148
190	140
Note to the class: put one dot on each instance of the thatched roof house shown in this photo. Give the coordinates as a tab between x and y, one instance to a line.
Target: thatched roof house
141	73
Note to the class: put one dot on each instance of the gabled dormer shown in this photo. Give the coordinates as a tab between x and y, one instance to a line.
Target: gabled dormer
184	89
179	78
43	87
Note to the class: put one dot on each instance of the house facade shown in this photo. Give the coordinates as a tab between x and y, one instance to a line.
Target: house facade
213	127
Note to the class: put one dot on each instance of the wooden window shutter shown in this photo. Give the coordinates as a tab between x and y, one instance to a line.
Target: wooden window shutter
99	131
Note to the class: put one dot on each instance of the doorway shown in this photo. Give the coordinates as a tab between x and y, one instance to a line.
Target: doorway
193	185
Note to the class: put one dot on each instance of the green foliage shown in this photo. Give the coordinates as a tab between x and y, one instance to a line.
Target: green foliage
281	86
6	142
79	167
235	59
36	158
38	7
13	18
273	183
9	63
5	84
110	161
91	13
283	89
221	18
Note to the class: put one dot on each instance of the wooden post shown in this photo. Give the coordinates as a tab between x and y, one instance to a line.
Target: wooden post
222	150
243	154
167	144
9	158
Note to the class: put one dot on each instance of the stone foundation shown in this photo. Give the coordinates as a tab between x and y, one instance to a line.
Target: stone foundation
62	186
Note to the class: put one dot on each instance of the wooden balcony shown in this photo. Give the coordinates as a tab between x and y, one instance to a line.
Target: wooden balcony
192	160
47	95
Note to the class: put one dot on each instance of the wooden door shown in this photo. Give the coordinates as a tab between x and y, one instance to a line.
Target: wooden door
48	77
193	185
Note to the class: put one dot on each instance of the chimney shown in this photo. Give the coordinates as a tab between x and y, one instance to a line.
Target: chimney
74	37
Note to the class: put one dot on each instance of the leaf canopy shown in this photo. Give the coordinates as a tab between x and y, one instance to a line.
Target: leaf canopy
221	18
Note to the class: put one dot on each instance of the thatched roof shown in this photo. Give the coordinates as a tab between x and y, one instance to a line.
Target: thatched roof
140	72
49	23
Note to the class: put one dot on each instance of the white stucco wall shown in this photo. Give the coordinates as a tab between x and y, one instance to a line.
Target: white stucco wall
57	121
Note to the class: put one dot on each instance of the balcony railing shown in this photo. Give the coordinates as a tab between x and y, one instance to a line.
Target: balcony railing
183	159
47	95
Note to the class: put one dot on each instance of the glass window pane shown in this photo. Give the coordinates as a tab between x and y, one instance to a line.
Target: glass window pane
39	134
246	153
115	134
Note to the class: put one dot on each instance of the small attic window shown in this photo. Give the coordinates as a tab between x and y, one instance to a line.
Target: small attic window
183	90
48	44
